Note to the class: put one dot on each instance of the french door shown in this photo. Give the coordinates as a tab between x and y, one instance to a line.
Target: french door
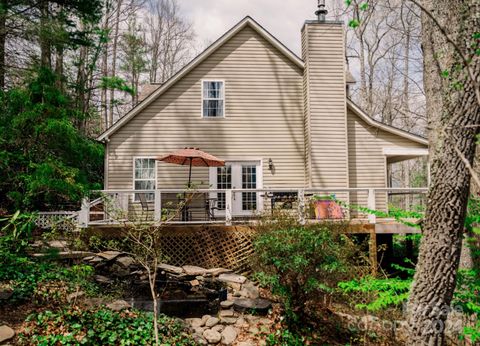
238	175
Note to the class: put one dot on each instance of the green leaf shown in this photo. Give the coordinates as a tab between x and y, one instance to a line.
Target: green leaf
354	23
364	6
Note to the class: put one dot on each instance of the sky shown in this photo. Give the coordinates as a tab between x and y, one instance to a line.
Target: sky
282	18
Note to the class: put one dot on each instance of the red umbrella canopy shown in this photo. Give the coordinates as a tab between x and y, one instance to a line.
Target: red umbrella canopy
194	157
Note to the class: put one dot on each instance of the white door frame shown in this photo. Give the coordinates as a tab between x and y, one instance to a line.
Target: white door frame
236	183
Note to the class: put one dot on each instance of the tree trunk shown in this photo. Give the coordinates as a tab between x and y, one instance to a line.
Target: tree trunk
59	67
114	60
453	114
44	37
103	93
3	41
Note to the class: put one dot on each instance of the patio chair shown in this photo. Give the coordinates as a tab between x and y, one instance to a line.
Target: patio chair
210	208
146	208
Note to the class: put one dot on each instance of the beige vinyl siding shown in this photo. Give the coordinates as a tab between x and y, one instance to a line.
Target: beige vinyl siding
263	118
306	114
326	105
367	163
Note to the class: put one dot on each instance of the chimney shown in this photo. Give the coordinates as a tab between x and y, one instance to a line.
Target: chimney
325	102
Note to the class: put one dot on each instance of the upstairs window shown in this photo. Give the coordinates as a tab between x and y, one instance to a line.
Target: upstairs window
213	99
144	177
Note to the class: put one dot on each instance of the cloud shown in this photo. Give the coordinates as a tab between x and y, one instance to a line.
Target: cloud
282	18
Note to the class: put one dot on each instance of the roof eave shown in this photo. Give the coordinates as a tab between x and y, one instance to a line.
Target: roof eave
369	120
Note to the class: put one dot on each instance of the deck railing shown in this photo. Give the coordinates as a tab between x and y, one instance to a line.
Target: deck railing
228	206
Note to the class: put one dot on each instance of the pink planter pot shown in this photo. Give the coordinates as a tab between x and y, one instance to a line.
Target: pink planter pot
327	209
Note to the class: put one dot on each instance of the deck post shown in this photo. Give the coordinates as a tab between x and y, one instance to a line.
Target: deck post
301	206
372	218
157	209
84	213
228	207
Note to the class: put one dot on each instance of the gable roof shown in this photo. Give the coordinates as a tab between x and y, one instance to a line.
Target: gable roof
247	21
388	128
250	22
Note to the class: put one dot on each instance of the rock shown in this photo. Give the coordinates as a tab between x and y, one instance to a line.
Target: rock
119	270
95	259
109	255
253	330
212	336
199	340
194	283
240	322
102	279
259	306
226	304
6	333
118	305
193	270
57	244
231	277
246	343
226	313
228	320
197	322
218	328
75	295
66	254
251	291
125	261
205	318
229	335
94	302
212	321
237	294
216	271
170	269
199	330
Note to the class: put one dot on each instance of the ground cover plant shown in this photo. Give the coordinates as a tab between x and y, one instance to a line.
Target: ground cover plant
100	326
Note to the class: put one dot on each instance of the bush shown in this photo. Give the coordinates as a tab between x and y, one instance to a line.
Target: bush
303	264
100	327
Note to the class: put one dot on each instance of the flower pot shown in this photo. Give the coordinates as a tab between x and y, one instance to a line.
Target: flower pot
321	209
335	211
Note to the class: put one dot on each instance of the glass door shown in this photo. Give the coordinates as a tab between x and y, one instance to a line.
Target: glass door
237	175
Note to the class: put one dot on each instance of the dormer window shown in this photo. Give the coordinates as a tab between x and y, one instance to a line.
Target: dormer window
213	99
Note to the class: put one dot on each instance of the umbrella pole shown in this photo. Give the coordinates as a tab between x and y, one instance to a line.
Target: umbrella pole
185	207
190	174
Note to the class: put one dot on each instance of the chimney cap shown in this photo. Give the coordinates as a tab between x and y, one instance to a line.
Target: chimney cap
322	12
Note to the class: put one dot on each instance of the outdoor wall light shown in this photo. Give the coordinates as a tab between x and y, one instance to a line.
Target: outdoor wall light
270	165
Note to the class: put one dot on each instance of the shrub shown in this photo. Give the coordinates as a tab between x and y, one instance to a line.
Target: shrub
44	280
302	264
100	327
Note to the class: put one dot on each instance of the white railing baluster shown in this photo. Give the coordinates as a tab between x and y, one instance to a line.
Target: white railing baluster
157	213
228	207
84	213
372	218
301	206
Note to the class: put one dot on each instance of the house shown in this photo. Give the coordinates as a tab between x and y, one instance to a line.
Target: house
279	121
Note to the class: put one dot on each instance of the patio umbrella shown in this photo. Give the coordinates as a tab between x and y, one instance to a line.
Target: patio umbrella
192	157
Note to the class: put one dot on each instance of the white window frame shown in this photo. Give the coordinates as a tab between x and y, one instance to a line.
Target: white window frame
202	99
133	174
